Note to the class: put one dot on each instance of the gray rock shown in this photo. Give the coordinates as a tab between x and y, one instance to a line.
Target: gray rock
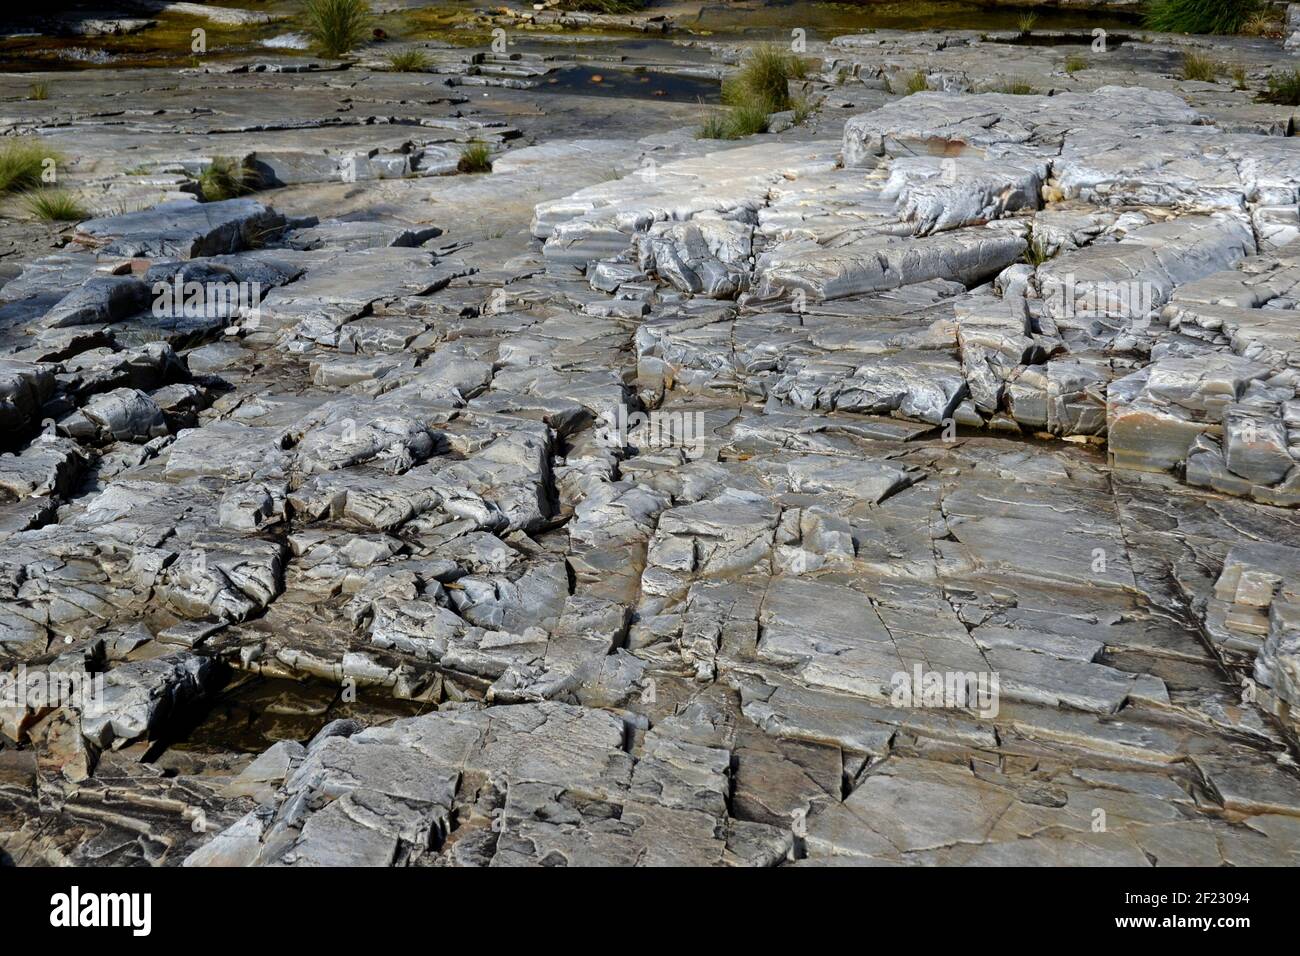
140	698
100	300
183	230
125	414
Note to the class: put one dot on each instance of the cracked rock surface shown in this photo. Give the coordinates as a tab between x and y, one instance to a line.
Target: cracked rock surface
917	485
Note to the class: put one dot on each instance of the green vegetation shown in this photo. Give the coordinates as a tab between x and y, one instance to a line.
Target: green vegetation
1239	78
765	76
713	127
225	178
38	91
22	160
1197	67
802	110
337	26
1262	24
916	82
1074	63
760	87
738	121
54	205
1200	16
1026	22
475	157
408	61
1036	253
1284	89
746	119
1014	87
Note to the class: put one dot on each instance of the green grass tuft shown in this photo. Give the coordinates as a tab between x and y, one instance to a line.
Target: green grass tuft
1197	67
225	178
916	82
22	160
746	119
1199	16
1262	24
742	118
714	126
337	26
802	110
475	157
759	88
1074	63
765	75
1026	22
1284	89
408	61
1014	87
39	90
1036	253
54	205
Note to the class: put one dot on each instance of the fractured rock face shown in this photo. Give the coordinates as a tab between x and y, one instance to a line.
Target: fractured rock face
140	698
940	194
182	230
1001	125
901	487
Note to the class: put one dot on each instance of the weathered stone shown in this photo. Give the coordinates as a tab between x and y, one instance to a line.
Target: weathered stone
654	500
182	230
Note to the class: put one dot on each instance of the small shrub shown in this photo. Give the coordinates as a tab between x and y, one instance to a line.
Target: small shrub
38	91
1014	87
714	126
802	110
1199	16
54	205
746	119
759	88
1284	89
765	74
1261	24
225	178
408	61
337	26
1036	253
22	160
475	157
1197	67
737	121
917	82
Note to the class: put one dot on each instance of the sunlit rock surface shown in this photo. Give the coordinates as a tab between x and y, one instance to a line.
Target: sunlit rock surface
916	485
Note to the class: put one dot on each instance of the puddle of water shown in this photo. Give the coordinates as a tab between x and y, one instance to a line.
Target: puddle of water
251	713
169	44
645	84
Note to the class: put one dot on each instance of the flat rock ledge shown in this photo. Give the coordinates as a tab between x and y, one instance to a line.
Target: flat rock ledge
915	487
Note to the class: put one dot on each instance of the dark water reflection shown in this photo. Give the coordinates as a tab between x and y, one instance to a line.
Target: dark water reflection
825	20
